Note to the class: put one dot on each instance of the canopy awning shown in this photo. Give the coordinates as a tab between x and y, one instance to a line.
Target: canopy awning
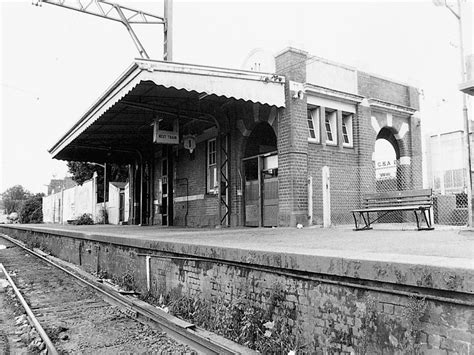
151	85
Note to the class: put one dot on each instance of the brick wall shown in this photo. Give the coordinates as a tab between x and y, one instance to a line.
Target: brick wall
191	170
374	87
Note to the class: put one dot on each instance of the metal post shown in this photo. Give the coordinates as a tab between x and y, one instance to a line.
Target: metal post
310	200
219	178
131	193
168	31
105	192
467	142
141	192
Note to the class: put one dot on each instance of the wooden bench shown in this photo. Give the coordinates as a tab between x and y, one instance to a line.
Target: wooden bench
387	202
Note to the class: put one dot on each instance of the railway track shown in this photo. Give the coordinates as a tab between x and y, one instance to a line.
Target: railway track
80	315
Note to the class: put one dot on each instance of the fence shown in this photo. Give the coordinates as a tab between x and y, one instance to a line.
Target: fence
347	186
71	203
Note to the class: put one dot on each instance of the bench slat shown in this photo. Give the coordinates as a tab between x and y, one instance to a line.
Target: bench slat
398	199
397	208
396	203
403	193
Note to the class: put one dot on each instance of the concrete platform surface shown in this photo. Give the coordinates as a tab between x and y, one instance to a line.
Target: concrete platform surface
441	258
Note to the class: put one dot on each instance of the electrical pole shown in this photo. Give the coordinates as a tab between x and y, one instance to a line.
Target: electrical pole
168	31
126	16
467	142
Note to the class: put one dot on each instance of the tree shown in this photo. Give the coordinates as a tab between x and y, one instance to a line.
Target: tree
32	209
81	172
14	197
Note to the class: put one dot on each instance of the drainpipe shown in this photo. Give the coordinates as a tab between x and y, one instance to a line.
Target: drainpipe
148	278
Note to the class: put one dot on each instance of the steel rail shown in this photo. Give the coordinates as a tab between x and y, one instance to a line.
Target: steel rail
49	344
202	343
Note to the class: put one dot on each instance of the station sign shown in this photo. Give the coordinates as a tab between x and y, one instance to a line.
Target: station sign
385	169
161	136
166	137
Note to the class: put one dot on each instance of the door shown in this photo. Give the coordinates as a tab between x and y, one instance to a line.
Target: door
270	198
261	190
167	192
121	206
252	192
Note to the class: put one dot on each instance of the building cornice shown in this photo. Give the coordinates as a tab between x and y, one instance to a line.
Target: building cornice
333	94
388	106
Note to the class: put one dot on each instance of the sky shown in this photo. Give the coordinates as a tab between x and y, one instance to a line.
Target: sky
56	62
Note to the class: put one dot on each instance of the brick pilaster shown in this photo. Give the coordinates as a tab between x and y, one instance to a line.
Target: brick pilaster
293	143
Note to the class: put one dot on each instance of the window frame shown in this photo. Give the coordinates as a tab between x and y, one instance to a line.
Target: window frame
211	167
331	120
314	117
347	123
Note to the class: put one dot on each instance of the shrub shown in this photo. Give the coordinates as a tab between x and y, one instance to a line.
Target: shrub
32	210
85	219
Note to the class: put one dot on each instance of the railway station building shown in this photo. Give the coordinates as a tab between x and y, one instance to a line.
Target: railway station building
212	147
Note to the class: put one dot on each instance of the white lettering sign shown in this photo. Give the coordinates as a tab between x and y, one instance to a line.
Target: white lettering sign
385	169
166	137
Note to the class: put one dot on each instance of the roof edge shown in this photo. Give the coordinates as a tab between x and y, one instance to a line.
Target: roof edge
120	79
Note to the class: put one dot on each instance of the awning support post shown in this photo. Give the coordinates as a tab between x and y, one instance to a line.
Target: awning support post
141	191
219	192
224	179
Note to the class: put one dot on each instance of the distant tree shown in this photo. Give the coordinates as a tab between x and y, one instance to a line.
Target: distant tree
14	197
32	210
81	172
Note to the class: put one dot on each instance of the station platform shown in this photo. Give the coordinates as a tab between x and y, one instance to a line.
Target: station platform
441	259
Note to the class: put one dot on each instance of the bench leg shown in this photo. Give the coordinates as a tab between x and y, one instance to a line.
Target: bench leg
424	212
366	222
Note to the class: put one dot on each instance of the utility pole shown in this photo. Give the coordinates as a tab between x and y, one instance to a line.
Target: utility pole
467	142
168	31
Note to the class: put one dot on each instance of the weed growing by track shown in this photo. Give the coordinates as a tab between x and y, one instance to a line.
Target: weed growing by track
271	330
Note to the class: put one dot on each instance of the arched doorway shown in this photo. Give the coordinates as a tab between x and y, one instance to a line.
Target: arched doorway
386	159
260	172
387	168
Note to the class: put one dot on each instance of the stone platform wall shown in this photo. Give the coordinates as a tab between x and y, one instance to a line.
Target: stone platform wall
334	314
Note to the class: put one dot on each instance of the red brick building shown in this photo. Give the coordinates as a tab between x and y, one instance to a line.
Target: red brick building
210	146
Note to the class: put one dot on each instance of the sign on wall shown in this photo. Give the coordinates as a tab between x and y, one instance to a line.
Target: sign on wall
385	169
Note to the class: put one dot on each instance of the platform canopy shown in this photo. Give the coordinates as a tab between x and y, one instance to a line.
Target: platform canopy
467	87
120	122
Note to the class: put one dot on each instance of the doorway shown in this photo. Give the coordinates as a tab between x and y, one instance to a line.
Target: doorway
260	167
261	190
